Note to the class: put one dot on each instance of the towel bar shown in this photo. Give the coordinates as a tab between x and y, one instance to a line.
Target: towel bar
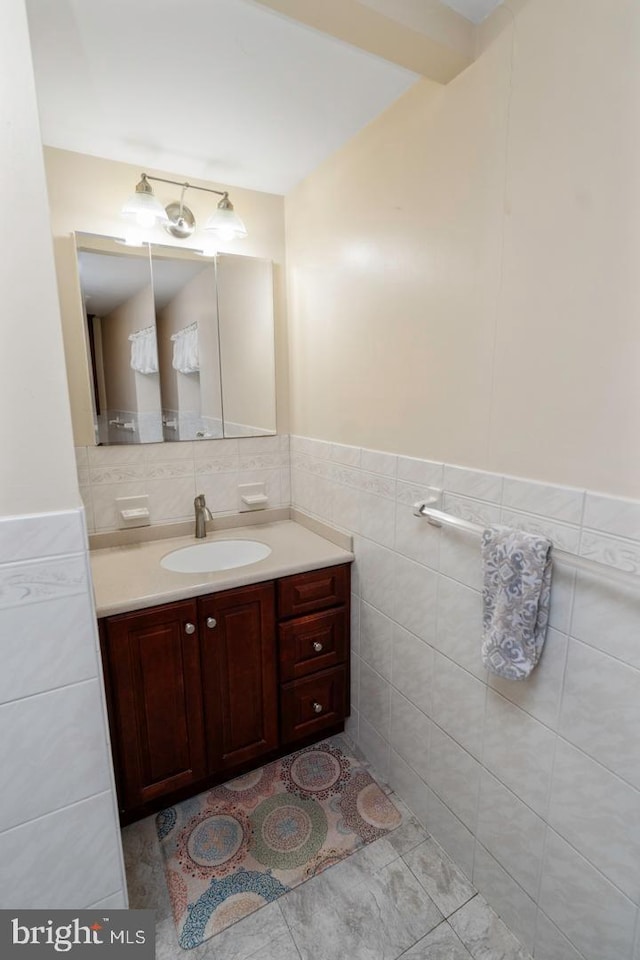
438	518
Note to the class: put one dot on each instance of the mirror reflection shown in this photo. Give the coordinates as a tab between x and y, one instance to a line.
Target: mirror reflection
180	347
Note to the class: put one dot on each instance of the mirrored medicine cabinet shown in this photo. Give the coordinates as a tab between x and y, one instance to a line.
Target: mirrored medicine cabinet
180	346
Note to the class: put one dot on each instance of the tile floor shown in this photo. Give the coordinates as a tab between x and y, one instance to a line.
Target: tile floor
400	896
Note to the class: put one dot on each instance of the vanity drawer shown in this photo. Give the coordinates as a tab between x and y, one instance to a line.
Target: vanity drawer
305	592
312	704
312	643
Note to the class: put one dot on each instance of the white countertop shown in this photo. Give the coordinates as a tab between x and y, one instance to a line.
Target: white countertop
130	577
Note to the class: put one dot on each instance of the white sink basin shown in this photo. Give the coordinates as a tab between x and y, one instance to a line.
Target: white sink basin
215	555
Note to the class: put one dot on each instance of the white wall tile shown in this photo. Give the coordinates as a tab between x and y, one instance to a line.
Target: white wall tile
377	518
41	734
414	605
474	511
374	461
540	693
374	700
454	775
562	594
375	749
473	483
412	668
408	785
562	535
613	551
614	515
519	751
346	507
588	909
220	491
63	860
410	733
606	615
601	709
376	639
460	557
355	681
46	645
355	623
511	832
117	901
427	473
558	503
511	903
32	581
599	815
459	630
458	704
118	453
375	567
31	538
450	833
341	453
550	944
414	537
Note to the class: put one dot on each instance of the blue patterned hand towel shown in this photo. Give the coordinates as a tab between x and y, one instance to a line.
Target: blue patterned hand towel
517	588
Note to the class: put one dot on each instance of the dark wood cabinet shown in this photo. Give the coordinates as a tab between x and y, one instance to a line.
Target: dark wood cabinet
314	652
239	675
152	661
201	690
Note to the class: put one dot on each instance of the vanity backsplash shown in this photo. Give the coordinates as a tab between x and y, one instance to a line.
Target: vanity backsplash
172	474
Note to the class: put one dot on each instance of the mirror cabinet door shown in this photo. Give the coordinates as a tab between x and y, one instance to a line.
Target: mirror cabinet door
184	288
117	298
181	347
247	345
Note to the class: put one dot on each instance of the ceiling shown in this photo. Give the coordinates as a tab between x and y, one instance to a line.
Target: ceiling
226	90
474	10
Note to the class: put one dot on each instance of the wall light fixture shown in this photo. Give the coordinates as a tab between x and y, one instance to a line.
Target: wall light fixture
177	219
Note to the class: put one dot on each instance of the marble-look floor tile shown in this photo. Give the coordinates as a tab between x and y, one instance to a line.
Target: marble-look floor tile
484	934
441	944
144	868
446	885
283	948
410	833
244	939
331	917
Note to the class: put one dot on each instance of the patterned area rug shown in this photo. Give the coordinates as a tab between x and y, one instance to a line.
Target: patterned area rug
235	848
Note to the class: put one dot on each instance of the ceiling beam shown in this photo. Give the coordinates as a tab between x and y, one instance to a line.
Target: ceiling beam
363	27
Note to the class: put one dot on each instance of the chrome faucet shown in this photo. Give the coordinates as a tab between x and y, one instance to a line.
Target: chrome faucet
202	515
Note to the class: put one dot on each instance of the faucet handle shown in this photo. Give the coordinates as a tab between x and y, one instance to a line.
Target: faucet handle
199	501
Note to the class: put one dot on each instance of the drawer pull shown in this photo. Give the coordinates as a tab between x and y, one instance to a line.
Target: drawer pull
212	623
317	707
189	628
317	646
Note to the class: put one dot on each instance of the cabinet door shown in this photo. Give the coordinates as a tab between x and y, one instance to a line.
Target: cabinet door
156	711
239	676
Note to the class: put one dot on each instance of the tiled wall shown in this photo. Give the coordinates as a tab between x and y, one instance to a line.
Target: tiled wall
533	786
59	835
173	473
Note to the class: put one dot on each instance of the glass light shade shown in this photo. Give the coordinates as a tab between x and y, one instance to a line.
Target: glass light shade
226	225
145	209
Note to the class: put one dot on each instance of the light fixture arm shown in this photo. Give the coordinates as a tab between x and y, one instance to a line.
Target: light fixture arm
185	185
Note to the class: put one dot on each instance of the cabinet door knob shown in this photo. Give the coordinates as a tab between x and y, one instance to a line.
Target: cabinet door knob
317	707
317	646
212	623
189	628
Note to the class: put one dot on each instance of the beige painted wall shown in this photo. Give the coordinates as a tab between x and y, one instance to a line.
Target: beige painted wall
87	193
463	273
37	468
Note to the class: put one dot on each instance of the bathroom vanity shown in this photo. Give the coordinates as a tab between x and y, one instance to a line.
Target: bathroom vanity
238	667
